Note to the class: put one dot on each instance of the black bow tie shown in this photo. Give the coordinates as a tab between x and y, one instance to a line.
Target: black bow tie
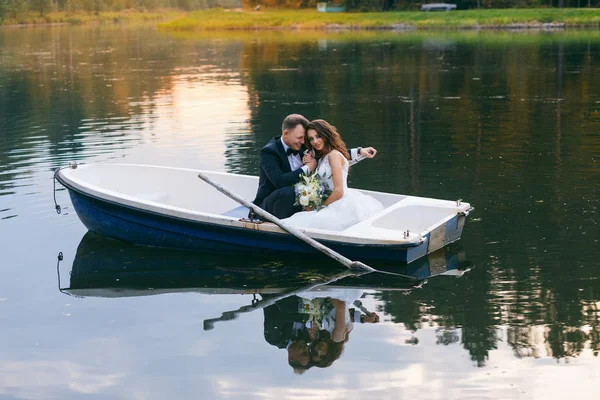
291	151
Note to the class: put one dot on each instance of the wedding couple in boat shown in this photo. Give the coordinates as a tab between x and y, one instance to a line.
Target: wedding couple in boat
305	148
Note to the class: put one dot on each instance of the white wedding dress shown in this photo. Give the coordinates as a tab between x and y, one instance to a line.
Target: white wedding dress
352	208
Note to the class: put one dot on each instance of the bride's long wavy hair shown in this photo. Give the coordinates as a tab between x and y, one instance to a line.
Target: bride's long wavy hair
329	134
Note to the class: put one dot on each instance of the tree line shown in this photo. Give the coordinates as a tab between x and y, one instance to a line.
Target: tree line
14	8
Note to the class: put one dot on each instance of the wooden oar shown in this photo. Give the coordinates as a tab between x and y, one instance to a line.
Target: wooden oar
353	265
229	315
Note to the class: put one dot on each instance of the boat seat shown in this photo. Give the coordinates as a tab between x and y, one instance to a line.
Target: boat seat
238	212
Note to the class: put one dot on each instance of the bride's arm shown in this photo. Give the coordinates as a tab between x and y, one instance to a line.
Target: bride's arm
336	161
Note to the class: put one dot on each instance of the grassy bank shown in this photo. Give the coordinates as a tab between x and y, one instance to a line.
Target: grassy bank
81	17
311	19
434	36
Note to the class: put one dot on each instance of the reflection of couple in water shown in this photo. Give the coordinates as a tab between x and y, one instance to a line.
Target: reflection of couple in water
314	330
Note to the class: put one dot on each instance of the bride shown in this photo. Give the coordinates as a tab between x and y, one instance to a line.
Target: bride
344	207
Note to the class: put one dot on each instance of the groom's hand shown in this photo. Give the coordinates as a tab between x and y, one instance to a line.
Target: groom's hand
310	161
368	152
370	318
308	157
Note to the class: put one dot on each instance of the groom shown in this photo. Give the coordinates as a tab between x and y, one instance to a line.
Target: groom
281	165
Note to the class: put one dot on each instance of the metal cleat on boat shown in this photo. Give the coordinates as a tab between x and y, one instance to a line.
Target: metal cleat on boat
467	212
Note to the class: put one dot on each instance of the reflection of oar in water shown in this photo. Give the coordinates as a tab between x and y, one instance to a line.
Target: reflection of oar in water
229	315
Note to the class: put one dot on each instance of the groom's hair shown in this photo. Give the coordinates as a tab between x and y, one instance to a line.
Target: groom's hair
293	120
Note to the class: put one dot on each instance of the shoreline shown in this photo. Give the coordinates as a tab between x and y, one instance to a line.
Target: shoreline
240	20
299	20
336	27
403	27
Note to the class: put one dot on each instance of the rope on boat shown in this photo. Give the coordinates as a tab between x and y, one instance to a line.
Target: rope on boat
60	289
59	259
57	207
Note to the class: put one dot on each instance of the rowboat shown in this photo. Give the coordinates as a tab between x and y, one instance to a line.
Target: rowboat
170	207
109	268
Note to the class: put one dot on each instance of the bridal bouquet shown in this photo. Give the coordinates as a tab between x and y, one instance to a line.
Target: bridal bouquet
311	192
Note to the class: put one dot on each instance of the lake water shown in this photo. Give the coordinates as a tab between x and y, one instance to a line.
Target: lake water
507	121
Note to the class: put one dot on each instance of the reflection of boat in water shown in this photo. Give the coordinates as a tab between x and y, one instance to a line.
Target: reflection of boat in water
111	268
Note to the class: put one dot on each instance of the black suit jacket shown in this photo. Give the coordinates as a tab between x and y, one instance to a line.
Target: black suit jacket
275	170
279	322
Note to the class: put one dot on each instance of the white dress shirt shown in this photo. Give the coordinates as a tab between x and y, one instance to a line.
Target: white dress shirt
295	160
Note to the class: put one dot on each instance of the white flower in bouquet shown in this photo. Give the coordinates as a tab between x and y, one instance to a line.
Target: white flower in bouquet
311	192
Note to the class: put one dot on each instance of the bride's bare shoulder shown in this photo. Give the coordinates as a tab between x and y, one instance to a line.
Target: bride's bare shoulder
336	157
